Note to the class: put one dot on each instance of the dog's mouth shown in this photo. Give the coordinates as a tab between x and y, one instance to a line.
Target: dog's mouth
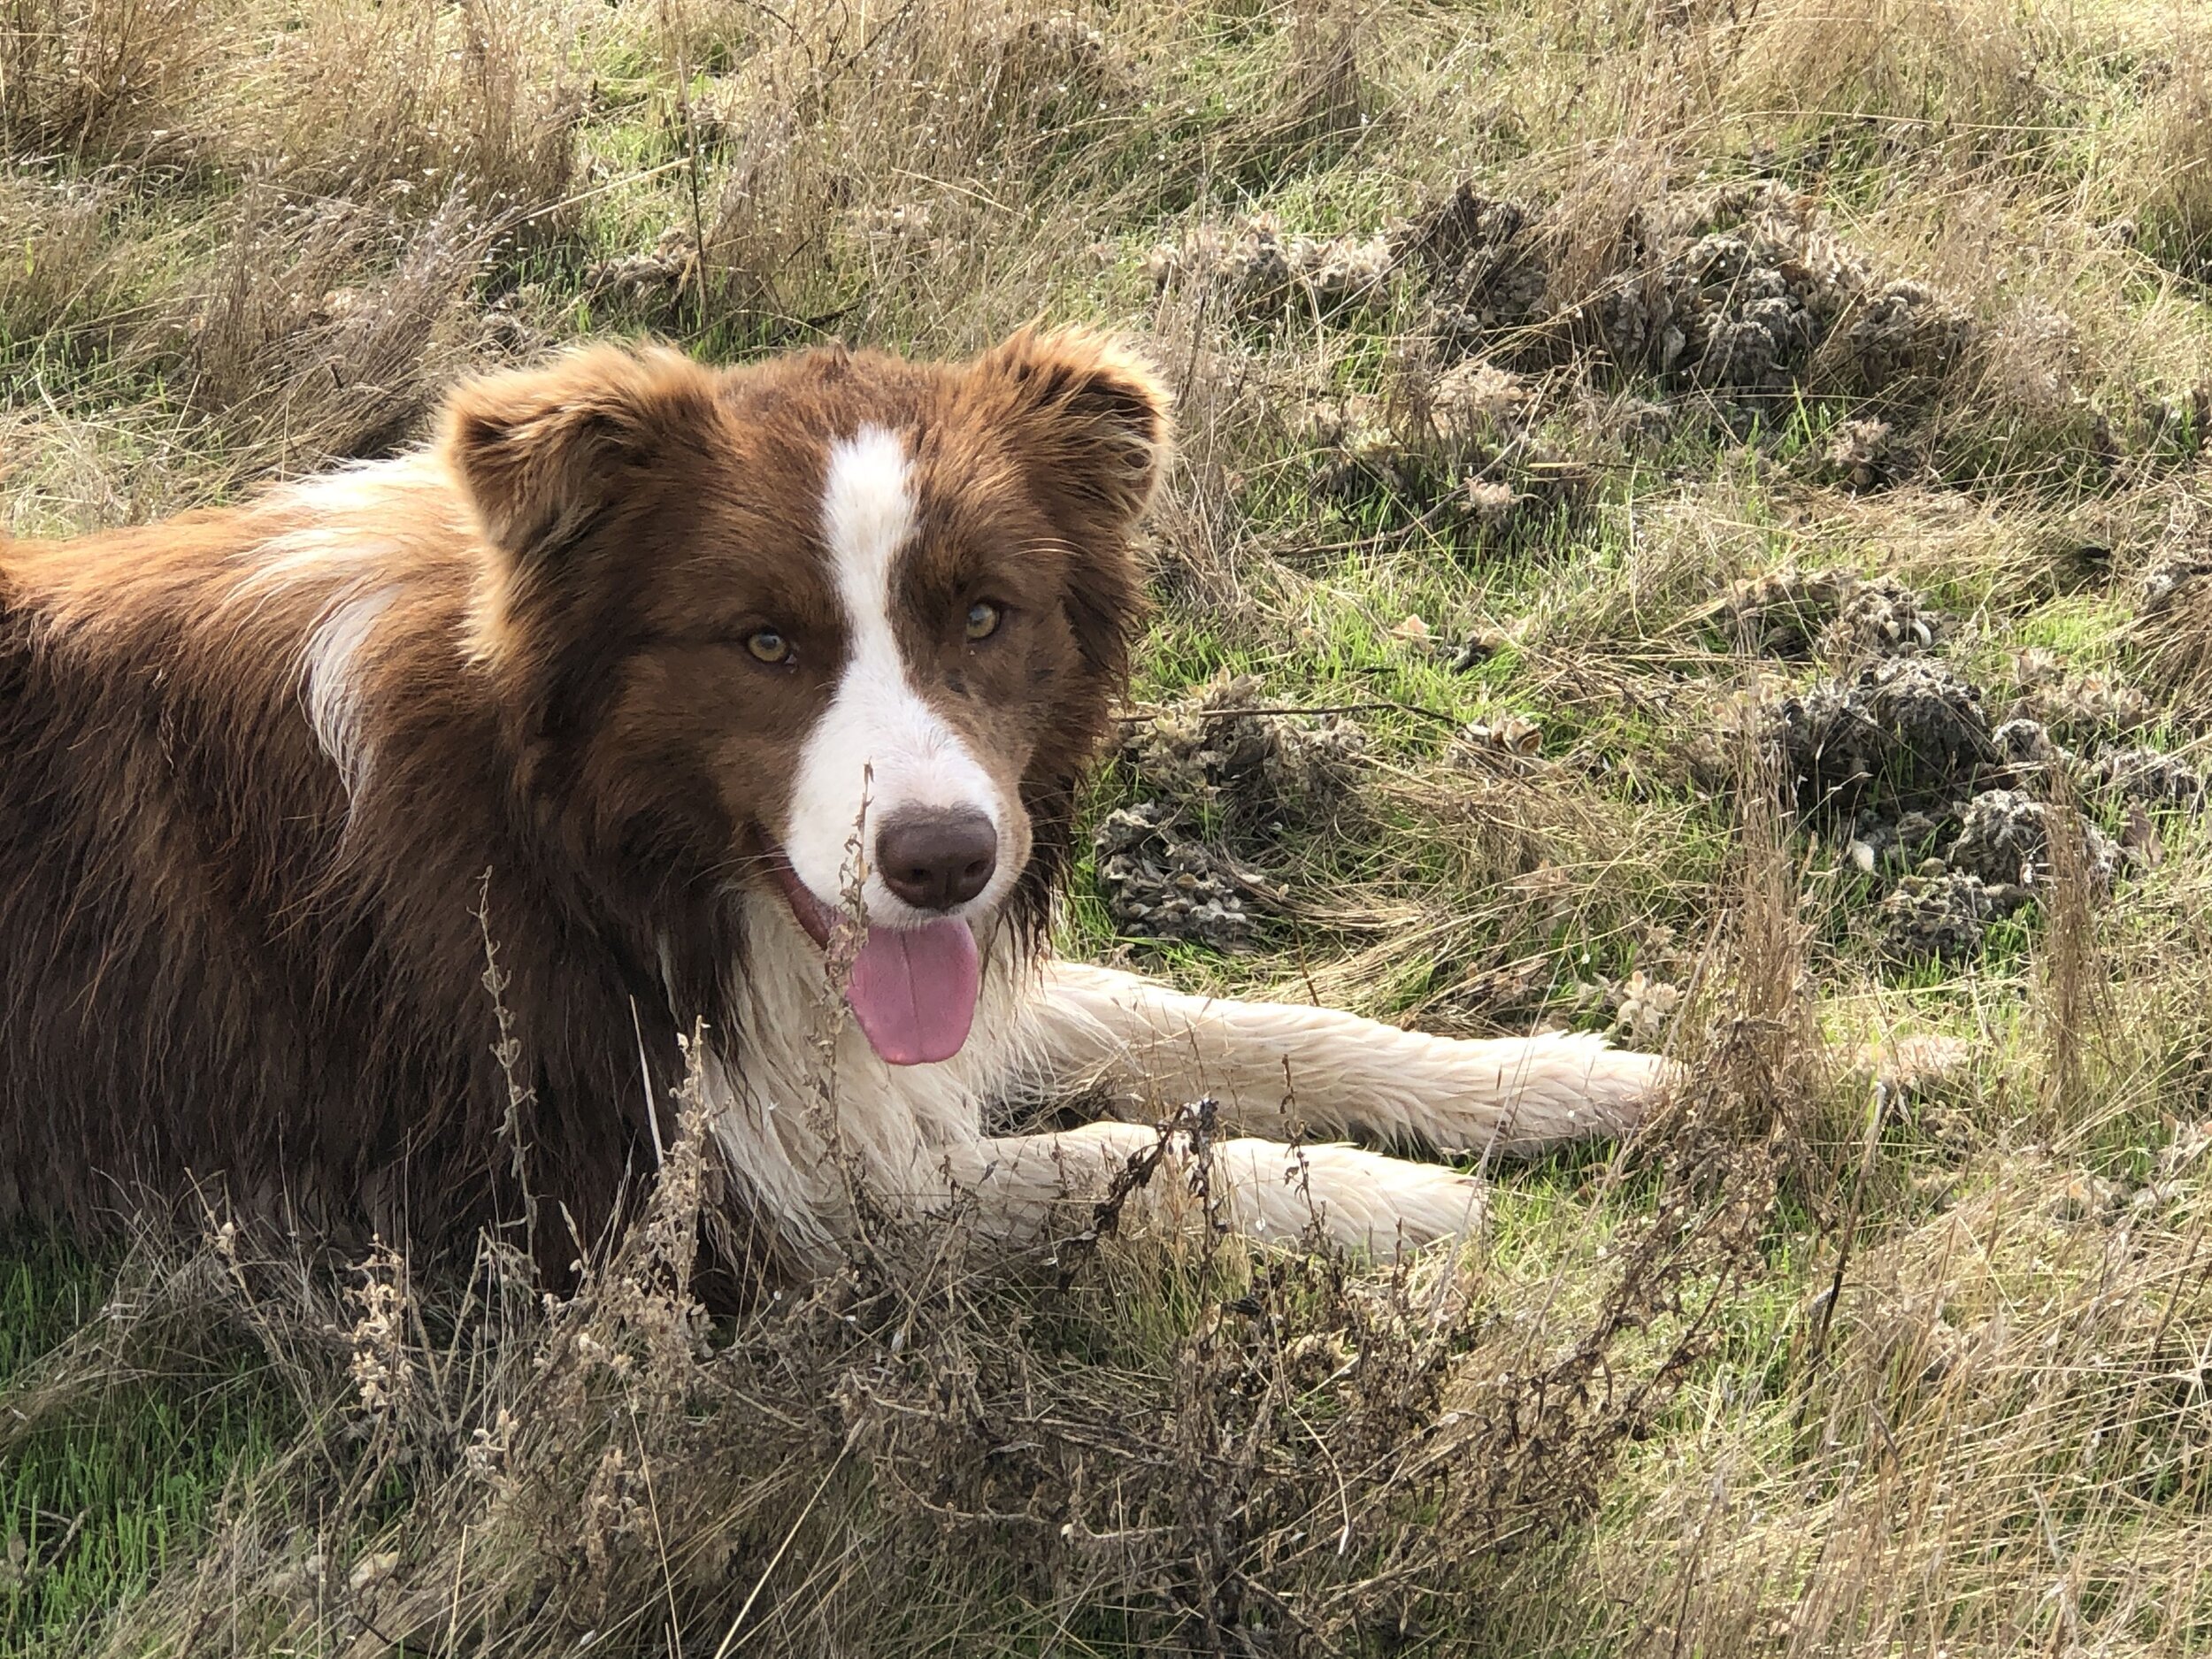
912	990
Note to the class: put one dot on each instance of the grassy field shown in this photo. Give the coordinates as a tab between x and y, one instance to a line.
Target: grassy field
1692	520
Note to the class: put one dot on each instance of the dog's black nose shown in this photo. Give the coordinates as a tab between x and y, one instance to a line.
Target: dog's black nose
935	859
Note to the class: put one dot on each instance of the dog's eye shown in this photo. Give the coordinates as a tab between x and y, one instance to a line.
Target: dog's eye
768	645
983	620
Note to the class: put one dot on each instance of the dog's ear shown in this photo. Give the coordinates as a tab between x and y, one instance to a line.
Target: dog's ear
1089	421
542	452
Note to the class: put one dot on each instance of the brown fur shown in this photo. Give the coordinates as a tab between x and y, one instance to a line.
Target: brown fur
230	976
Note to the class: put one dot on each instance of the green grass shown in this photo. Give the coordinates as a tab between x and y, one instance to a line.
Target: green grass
117	1485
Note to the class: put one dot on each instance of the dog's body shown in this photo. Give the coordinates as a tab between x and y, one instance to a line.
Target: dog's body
666	672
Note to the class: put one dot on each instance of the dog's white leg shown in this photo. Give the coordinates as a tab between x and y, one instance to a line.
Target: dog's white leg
1284	1069
1023	1186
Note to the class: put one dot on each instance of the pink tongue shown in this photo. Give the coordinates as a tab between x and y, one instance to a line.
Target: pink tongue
913	990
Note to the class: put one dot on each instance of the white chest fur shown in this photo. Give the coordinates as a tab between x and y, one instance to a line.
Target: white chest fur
806	1097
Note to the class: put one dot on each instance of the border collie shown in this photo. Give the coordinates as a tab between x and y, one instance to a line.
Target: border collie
701	695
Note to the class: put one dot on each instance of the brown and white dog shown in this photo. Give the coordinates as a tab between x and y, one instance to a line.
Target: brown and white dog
694	664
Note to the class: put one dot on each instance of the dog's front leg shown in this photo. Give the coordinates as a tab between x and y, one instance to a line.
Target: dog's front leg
1022	1187
1282	1069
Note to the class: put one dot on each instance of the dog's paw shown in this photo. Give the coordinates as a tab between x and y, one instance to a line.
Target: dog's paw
1623	1087
1514	1098
1356	1199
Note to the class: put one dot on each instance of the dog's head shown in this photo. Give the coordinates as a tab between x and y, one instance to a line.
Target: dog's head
831	625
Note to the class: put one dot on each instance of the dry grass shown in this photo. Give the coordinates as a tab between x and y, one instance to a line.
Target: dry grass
1156	1442
92	78
1810	1368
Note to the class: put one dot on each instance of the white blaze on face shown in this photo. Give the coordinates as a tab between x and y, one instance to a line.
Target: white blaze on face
877	740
